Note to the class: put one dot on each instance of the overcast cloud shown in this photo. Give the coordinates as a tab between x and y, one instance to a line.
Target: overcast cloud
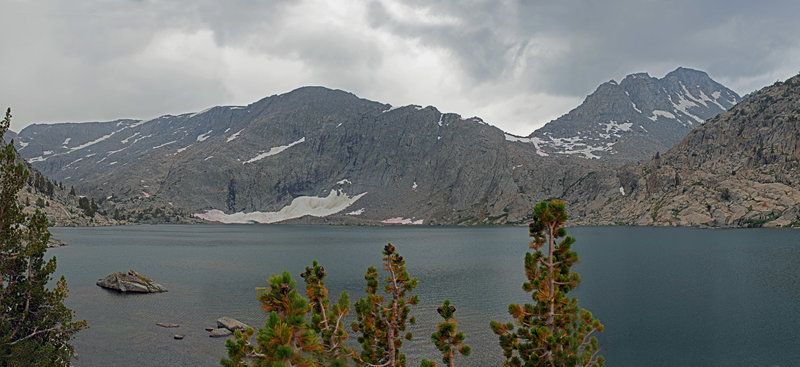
515	64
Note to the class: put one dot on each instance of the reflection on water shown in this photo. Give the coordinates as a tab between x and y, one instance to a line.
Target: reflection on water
667	296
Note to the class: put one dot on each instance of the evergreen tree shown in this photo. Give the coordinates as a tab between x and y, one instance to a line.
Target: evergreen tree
326	321
288	337
447	338
552	331
35	326
381	326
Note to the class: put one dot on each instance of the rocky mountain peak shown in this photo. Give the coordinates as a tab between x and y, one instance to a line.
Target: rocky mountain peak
632	120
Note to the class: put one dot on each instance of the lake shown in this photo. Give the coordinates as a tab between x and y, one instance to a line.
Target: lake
667	296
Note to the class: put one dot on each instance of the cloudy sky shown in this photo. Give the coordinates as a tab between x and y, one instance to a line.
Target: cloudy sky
516	64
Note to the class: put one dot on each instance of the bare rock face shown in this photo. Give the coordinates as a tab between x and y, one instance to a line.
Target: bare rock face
131	281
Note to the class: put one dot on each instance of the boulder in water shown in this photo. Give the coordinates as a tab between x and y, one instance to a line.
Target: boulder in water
230	323
130	282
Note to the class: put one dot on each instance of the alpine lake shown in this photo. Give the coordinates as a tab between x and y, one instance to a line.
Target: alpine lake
666	296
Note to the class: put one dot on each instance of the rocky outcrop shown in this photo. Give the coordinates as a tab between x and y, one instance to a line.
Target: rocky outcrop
740	169
130	282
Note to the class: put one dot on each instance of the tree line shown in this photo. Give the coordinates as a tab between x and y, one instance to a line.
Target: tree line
310	331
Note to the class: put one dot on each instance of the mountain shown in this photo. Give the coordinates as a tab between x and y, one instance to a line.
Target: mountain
740	169
632	120
60	204
313	154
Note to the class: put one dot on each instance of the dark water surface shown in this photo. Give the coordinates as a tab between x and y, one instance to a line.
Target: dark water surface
667	296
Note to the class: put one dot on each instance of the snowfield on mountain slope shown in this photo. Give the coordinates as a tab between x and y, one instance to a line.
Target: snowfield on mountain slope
315	206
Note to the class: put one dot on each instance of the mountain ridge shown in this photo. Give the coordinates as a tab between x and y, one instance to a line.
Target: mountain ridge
632	120
321	155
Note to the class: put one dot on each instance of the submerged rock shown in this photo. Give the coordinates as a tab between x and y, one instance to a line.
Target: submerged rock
130	282
216	333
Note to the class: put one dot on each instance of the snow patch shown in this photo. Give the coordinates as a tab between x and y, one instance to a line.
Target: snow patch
125	141
203	137
613	127
342	182
683	106
401	220
274	150
414	186
340	124
301	206
182	149
165	144
201	112
22	144
577	145
657	113
93	142
622	190
537	143
145	194
66	141
234	136
209	157
143	137
391	108
714	100
356	212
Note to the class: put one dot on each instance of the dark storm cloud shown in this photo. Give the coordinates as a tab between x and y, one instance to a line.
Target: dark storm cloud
515	63
604	39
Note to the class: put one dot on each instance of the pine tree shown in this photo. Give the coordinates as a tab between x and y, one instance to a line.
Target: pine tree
326	320
552	331
289	338
286	338
35	326
447	338
381	326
